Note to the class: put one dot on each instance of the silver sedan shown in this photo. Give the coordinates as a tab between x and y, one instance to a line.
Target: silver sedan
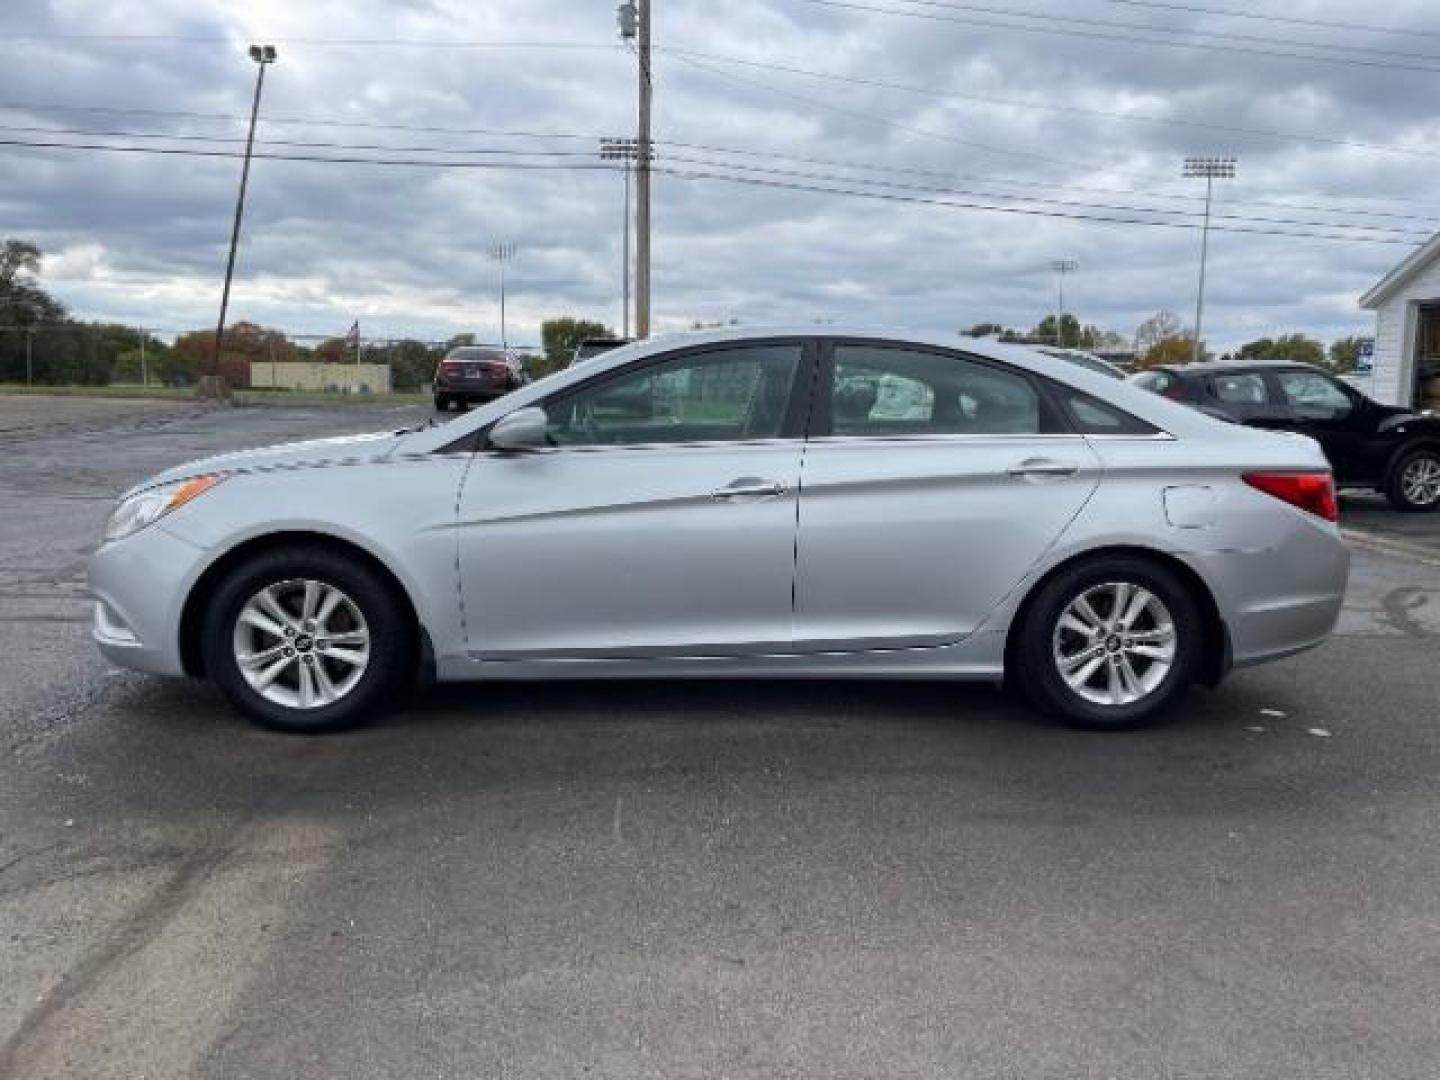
810	503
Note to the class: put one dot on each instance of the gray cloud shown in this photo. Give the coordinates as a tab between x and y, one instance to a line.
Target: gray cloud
142	238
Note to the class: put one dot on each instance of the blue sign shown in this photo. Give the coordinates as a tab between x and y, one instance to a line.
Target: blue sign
1365	360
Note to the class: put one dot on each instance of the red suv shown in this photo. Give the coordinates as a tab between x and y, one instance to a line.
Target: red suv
474	374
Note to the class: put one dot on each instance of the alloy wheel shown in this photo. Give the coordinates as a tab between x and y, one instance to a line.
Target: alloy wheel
301	643
1420	481
1114	643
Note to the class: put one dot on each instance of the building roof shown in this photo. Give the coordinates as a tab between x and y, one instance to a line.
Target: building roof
1419	260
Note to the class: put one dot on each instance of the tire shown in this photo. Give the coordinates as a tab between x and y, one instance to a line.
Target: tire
350	679
1414	484
442	403
1047	634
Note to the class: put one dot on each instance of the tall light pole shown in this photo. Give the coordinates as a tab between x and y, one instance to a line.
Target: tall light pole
1211	169
502	252
634	18
1061	268
624	151
264	56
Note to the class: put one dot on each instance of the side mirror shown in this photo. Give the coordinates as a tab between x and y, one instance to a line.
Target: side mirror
523	429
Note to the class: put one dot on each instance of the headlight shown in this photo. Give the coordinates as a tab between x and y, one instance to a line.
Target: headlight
149	505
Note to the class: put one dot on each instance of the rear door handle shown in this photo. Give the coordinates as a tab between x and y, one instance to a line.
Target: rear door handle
1043	467
748	488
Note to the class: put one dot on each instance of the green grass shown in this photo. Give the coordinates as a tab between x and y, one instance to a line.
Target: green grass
241	397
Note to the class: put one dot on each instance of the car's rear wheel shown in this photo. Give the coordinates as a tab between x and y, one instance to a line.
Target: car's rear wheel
1109	642
442	402
307	640
1415	481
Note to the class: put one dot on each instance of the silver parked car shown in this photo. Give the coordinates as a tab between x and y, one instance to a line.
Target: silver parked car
806	503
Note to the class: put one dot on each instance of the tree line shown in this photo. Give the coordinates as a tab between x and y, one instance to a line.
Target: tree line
40	342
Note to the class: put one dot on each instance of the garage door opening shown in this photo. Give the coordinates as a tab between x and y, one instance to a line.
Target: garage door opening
1426	393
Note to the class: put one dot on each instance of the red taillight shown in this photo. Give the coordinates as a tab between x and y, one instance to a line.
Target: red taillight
496	367
1313	492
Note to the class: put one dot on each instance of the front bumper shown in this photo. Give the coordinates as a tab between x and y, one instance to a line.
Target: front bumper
139	585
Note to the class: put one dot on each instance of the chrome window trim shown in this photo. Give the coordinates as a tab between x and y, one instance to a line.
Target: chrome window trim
948	437
601	448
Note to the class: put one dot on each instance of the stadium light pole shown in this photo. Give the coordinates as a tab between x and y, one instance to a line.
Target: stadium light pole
502	252
264	56
1061	268
1210	169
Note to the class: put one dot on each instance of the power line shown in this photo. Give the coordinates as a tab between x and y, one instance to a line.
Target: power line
1007	12
299	121
872	117
889	197
325	42
884	120
972	178
1040	200
512	152
788	183
177	151
868	166
930	91
1291	20
298	144
1128	37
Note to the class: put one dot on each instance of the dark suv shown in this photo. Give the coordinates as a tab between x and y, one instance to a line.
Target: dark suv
474	374
1393	450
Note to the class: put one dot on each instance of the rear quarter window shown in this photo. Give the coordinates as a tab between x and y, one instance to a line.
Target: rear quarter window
1091	416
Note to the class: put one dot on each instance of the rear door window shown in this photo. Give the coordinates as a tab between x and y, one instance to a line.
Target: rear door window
884	390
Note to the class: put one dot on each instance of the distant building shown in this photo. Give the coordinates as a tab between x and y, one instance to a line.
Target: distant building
1406	303
320	375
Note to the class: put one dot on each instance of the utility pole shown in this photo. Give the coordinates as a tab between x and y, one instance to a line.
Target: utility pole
634	17
1211	169
1061	268
502	252
144	375
264	56
624	151
29	357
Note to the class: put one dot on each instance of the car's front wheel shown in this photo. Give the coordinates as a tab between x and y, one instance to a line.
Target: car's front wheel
307	640
1415	481
1109	642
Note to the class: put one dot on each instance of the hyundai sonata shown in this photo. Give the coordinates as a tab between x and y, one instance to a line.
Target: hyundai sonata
795	503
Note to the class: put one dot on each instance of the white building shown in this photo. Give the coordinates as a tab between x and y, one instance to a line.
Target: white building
1406	303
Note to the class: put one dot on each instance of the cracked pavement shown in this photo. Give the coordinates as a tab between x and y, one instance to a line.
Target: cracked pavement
694	880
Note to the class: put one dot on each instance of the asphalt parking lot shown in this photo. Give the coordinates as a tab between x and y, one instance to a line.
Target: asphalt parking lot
689	880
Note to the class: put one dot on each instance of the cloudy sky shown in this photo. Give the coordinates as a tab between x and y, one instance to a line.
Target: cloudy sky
915	115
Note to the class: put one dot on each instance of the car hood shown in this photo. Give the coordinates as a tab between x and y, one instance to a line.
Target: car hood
311	454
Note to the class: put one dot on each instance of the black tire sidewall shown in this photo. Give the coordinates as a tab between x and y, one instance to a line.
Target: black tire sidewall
390	649
1041	679
1394	491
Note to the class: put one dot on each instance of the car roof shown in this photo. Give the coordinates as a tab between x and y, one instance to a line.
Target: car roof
1231	367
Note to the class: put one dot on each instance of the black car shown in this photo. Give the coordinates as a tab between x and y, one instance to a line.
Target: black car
1393	450
474	374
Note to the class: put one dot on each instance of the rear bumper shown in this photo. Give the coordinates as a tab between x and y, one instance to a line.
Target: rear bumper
1279	601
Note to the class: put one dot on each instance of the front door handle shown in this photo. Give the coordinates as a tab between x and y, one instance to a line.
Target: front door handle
1043	467
748	488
